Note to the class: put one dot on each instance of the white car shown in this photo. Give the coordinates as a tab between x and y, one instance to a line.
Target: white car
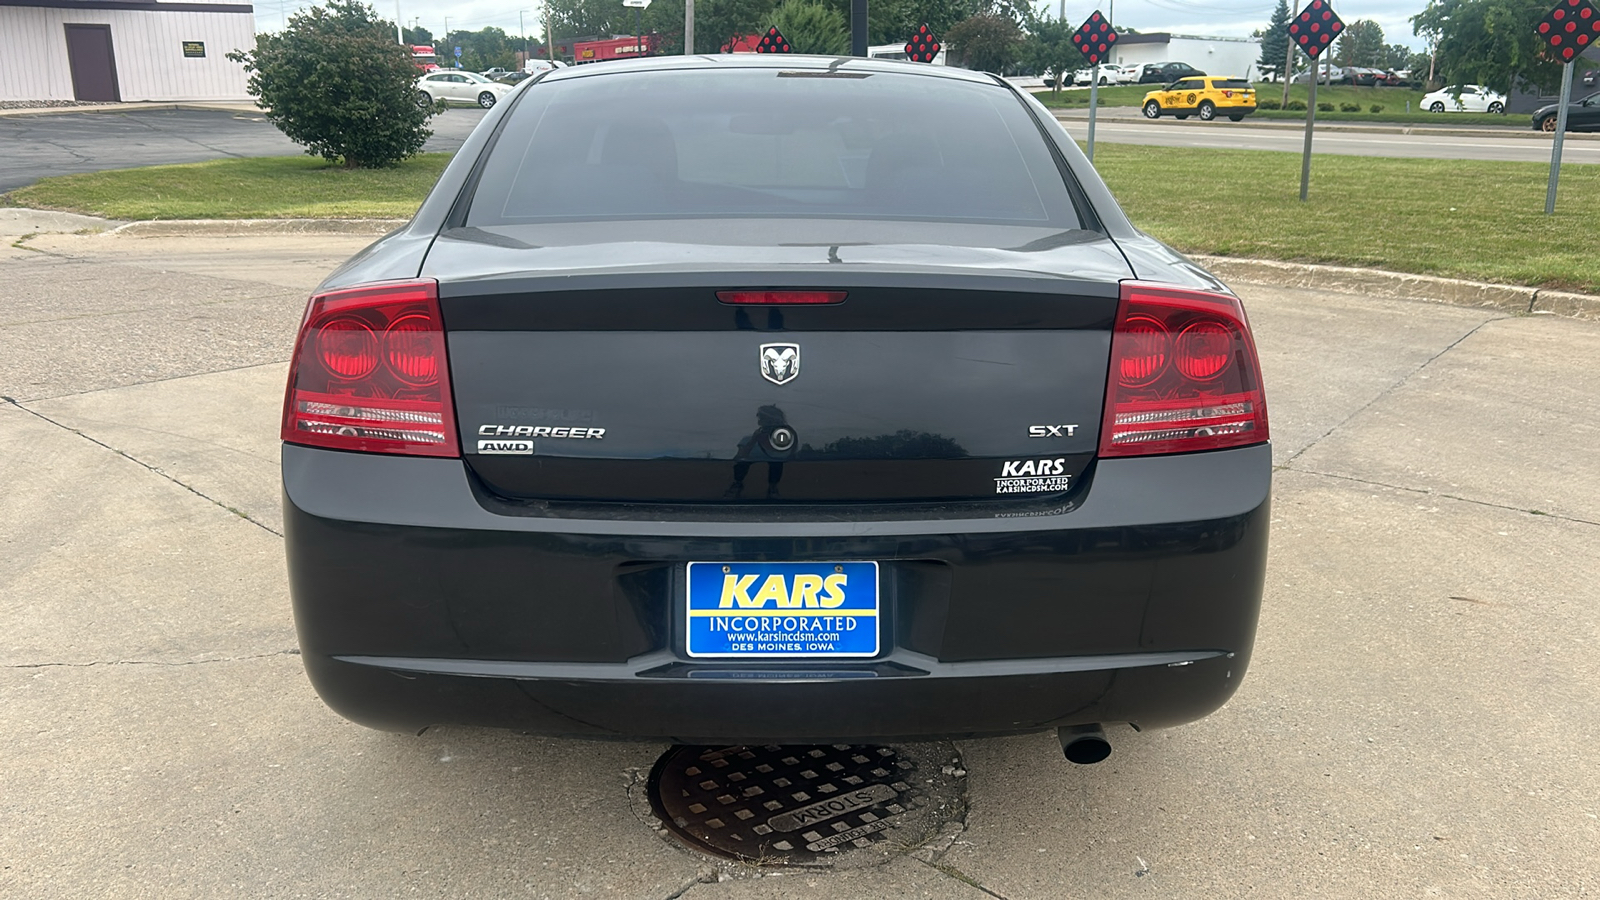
1110	73
1472	98
457	86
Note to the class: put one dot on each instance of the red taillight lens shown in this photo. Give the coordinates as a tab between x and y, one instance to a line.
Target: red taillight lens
1184	374
780	297
369	373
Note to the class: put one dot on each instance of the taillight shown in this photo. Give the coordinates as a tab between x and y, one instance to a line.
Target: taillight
369	373
1184	374
764	298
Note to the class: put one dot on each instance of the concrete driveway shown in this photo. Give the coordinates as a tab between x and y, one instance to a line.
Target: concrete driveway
1420	718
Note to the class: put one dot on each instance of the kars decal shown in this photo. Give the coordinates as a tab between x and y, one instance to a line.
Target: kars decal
1032	476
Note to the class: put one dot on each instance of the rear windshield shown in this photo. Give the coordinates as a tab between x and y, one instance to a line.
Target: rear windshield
1236	84
763	142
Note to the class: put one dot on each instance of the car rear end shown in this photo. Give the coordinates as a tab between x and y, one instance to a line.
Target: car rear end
759	403
1235	97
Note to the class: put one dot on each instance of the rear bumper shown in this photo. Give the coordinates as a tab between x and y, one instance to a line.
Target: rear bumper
419	601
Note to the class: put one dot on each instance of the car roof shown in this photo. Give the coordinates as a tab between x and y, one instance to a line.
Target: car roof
780	61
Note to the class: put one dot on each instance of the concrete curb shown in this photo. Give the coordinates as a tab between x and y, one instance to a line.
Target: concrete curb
237	107
1306	276
226	227
1402	286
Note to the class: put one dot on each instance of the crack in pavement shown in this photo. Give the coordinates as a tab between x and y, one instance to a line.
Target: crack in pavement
117	387
1432	493
952	872
1393	387
293	651
133	459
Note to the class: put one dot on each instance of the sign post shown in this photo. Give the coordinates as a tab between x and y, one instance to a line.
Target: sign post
639	7
1568	28
1313	30
1094	38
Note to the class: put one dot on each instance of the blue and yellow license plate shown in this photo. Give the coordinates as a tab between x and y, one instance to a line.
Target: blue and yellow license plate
782	610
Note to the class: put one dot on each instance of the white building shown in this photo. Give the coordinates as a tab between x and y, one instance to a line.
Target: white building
111	50
1211	55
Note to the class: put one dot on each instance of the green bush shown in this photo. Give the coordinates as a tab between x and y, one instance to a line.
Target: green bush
1349	107
1324	107
1269	104
335	82
1295	105
813	28
1376	108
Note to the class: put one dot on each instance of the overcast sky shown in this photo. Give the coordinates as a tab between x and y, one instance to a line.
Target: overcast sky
1218	17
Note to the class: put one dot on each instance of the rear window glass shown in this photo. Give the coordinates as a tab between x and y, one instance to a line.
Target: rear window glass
761	142
1235	84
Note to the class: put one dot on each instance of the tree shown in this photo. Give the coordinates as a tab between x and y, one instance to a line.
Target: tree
481	50
1360	45
600	19
335	82
988	42
718	23
811	27
1049	49
1489	42
1275	40
419	35
1395	57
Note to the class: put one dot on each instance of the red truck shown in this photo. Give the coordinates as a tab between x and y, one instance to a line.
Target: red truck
616	48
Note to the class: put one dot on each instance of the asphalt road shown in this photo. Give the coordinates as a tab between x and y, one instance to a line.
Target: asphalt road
1420	718
56	144
1420	144
60	144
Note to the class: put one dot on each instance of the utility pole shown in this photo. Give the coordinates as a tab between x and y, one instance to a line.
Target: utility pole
688	27
1288	58
523	27
549	34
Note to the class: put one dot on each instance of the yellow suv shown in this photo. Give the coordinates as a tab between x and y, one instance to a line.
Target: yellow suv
1207	96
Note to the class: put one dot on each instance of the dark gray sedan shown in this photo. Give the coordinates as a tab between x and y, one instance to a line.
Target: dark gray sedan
757	399
1582	115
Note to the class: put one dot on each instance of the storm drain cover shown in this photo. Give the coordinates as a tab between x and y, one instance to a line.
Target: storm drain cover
807	805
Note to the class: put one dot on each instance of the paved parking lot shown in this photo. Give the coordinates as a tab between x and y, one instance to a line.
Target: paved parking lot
61	143
1420	718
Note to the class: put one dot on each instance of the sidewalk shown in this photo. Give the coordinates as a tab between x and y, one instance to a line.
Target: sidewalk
225	105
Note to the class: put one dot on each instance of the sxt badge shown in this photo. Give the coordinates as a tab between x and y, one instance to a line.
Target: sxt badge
1032	476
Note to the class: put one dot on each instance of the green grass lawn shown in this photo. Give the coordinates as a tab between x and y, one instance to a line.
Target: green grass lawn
287	187
1467	219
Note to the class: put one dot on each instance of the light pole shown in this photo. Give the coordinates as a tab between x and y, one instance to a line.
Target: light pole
399	34
549	35
522	27
688	27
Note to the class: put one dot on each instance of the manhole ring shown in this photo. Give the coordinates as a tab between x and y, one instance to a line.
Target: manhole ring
807	805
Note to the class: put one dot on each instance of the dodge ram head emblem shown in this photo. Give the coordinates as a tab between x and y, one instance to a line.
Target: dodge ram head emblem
780	363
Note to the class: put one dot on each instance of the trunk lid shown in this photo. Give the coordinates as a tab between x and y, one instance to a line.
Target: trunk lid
949	373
